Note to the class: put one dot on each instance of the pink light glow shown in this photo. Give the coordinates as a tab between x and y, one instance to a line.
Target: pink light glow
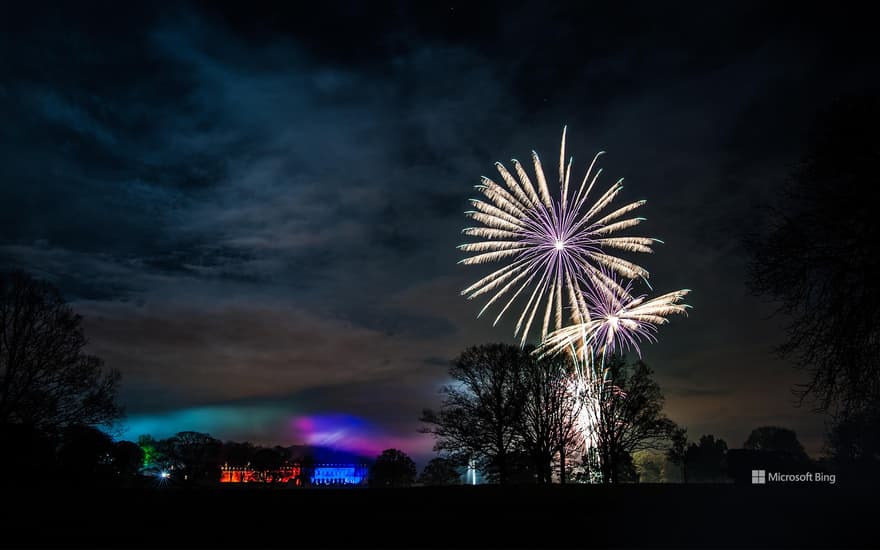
355	435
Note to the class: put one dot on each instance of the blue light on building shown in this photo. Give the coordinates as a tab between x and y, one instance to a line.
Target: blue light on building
338	474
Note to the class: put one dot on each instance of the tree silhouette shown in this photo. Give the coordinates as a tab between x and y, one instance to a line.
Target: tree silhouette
818	257
677	452
632	419
706	461
46	380
86	454
854	445
548	424
155	452
196	454
28	452
237	454
393	468
480	416
777	440
128	458
649	466
265	462
440	471
769	448
307	469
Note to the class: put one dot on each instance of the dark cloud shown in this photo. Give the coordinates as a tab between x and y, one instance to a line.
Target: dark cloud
700	392
248	202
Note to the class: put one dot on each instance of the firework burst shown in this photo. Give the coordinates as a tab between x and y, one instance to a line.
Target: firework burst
549	243
616	320
555	250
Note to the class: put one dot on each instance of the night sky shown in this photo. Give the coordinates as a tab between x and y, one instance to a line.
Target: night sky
255	207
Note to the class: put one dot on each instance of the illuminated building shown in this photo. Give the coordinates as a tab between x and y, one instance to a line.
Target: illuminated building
318	475
245	474
338	474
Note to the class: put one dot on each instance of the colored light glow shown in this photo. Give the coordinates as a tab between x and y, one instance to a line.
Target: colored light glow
355	435
278	424
233	422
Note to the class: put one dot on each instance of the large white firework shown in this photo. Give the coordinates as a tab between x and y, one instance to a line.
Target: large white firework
548	242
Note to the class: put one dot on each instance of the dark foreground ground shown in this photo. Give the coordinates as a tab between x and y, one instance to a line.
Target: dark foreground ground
641	516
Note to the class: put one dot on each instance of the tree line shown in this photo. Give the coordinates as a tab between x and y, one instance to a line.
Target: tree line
515	417
52	393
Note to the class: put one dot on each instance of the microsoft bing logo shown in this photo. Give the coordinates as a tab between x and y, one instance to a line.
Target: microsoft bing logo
759	477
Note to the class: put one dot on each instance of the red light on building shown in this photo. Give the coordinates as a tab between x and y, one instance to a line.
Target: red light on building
245	474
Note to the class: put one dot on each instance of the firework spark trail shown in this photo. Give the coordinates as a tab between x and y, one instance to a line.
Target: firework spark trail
590	387
549	243
617	321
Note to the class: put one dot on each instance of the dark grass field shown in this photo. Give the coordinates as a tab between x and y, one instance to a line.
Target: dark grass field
626	516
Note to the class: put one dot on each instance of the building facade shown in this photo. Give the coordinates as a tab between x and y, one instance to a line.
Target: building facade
319	475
